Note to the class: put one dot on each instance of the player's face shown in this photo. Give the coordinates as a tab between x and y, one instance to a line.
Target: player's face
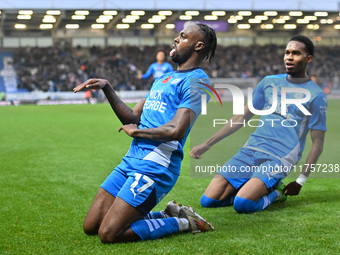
185	44
160	57
296	59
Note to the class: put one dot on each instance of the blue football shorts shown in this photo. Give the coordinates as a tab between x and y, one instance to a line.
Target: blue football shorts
140	183
248	163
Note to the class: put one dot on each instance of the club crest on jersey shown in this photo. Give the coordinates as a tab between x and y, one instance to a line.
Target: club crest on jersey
176	81
167	79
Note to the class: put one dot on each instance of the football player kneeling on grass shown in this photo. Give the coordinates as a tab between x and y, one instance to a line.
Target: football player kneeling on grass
159	125
276	146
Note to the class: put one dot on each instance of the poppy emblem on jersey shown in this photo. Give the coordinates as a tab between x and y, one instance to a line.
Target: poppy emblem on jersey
213	90
167	79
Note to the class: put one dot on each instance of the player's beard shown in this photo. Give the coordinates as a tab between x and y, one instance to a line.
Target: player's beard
180	58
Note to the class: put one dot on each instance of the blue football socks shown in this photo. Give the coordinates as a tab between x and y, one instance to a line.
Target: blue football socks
155	215
243	205
155	228
210	202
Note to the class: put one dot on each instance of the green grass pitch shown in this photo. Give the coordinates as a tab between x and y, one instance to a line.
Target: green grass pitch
53	159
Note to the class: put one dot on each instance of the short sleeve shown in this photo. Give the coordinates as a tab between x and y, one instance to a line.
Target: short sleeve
148	72
192	94
318	110
258	95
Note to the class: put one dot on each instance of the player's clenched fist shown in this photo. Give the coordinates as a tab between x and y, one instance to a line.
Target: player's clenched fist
198	151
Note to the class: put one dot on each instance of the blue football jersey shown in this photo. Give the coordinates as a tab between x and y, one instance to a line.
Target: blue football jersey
173	90
157	70
284	136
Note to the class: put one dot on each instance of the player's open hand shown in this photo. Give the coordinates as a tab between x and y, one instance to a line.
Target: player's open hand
92	84
198	151
129	129
292	189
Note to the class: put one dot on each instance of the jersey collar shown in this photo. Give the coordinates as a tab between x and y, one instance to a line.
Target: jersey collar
188	70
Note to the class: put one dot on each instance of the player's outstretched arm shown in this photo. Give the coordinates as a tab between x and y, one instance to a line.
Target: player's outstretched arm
172	130
318	137
225	131
125	114
147	74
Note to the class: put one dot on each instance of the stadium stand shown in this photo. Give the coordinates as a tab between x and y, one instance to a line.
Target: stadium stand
62	67
45	54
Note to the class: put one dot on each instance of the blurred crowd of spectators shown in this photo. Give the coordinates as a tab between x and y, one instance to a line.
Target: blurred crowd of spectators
62	67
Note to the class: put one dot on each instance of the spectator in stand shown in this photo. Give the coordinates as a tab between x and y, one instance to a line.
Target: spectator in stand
65	66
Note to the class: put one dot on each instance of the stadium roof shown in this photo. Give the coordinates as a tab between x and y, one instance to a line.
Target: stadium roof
23	22
304	5
25	18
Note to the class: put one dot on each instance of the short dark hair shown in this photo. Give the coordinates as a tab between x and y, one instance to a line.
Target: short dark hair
161	51
210	40
306	41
